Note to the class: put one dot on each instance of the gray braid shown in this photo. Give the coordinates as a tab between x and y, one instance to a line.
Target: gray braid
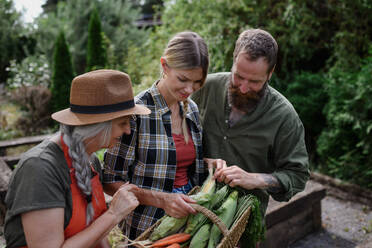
184	123
74	137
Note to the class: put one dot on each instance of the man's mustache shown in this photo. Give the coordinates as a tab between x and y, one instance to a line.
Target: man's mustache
235	92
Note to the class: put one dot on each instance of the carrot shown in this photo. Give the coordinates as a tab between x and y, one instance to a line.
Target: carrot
175	245
171	239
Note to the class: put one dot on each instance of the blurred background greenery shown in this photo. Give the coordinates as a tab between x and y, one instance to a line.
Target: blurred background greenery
324	67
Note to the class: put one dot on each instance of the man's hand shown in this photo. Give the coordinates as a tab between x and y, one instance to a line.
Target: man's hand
218	164
235	176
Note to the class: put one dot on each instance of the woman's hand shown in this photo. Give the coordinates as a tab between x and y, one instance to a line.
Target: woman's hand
124	201
174	204
177	205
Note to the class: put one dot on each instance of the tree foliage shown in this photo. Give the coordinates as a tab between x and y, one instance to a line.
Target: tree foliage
96	51
321	46
117	20
345	146
32	70
11	32
307	93
62	74
323	65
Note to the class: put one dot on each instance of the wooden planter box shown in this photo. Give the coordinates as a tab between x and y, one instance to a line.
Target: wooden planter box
287	222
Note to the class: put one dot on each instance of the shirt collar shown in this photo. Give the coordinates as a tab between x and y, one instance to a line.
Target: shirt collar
159	101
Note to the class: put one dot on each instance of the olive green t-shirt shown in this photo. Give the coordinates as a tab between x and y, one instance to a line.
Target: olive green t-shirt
268	140
41	180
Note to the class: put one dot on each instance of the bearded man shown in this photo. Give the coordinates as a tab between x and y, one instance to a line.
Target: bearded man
251	126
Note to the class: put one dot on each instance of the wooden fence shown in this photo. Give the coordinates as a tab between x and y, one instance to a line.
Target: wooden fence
4	145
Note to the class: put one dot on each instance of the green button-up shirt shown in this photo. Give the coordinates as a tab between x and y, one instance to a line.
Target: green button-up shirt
268	140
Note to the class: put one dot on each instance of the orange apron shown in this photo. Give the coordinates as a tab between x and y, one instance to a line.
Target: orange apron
79	201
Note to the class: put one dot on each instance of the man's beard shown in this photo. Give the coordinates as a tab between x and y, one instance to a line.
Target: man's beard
245	102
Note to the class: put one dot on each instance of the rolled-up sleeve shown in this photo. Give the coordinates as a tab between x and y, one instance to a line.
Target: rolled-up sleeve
291	159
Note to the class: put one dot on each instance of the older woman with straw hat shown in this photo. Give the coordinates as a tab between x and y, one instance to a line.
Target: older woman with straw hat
55	198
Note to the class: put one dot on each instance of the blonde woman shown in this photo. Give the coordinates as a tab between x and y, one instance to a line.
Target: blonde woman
164	150
55	198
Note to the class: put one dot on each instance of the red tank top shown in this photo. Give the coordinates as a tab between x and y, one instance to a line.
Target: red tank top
186	156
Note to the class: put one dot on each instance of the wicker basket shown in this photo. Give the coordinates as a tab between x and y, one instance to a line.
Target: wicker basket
231	236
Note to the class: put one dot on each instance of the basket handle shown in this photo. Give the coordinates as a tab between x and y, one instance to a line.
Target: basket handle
214	218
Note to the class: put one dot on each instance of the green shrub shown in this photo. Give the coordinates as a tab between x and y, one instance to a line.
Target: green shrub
62	74
345	147
96	51
33	70
118	25
35	117
10	32
307	94
28	87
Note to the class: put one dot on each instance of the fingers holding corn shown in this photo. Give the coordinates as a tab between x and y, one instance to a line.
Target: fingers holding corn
235	176
177	205
217	164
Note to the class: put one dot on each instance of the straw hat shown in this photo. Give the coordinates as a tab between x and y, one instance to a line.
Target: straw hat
99	96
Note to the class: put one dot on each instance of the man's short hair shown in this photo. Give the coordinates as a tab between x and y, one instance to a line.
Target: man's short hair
257	43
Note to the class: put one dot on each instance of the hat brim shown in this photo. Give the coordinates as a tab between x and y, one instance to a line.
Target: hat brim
76	119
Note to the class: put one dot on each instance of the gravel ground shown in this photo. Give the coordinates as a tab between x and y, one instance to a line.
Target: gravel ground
345	224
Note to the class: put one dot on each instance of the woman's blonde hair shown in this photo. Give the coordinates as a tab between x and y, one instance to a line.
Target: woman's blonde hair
187	50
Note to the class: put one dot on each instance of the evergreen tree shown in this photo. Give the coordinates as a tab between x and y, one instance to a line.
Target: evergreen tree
96	52
62	74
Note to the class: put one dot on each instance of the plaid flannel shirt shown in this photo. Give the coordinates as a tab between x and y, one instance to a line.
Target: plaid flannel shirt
147	157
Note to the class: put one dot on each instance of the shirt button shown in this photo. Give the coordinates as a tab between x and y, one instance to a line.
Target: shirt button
224	137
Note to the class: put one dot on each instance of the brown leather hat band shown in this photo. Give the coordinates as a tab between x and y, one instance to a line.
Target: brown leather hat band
103	108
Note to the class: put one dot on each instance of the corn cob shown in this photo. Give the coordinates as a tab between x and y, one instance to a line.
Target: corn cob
209	185
196	221
202	198
206	192
169	225
226	213
200	239
219	196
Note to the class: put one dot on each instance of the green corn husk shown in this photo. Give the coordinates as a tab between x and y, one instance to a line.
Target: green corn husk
219	196
196	221
169	225
207	191
200	239
226	213
202	198
244	202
